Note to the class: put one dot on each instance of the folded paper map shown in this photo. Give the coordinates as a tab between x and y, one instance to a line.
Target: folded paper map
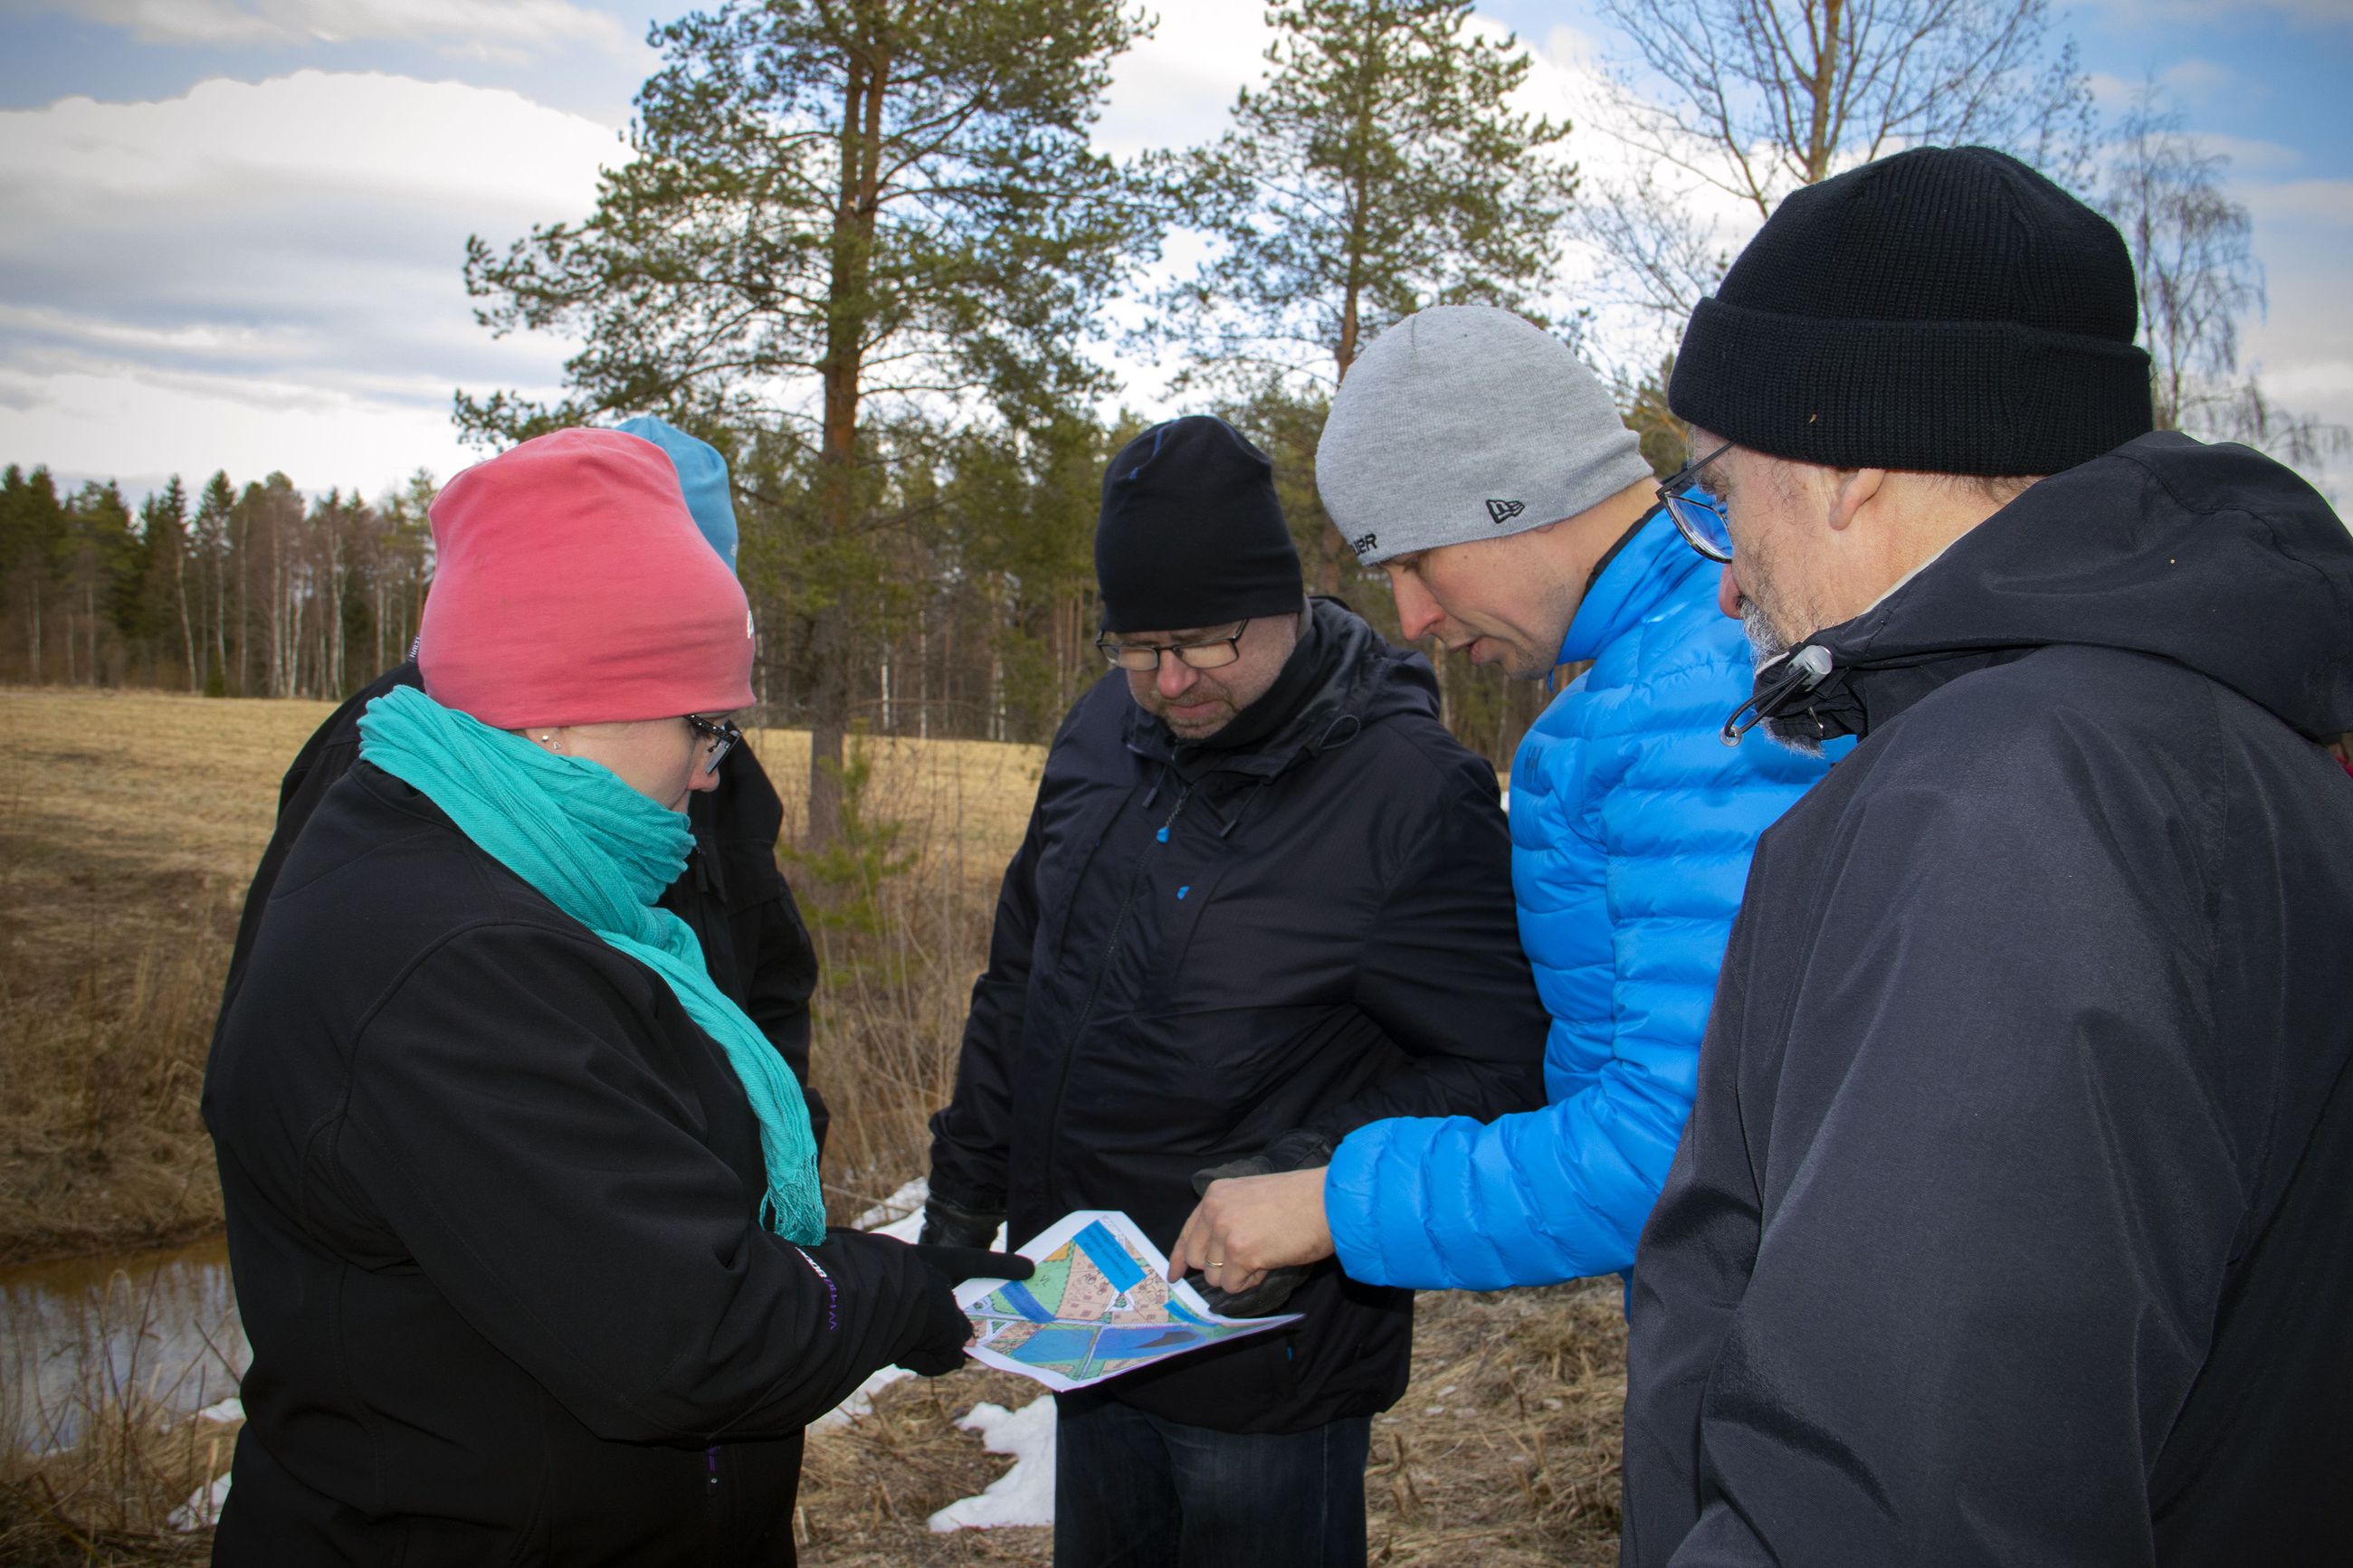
1099	1305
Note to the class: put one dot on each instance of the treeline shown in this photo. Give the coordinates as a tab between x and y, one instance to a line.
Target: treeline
874	251
979	625
253	593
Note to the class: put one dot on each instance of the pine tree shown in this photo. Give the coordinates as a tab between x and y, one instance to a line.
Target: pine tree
163	621
846	220
1381	170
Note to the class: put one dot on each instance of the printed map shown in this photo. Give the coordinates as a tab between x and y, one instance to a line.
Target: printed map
1099	1305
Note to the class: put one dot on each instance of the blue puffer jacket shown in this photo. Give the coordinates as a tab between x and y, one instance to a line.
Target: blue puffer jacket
1631	828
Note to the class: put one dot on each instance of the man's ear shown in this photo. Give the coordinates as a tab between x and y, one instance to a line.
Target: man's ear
1857	487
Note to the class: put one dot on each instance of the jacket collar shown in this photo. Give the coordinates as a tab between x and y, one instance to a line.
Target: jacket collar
1649	567
1361	679
2213	557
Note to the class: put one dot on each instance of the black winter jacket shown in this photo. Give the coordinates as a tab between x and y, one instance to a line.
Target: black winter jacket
2013	1222
491	1199
1198	949
731	894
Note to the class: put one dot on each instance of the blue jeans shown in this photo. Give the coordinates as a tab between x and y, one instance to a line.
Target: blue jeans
1132	1491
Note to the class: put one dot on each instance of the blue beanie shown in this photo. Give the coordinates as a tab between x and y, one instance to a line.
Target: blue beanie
702	474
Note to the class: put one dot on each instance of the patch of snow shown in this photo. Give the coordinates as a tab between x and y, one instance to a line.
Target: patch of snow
1022	1495
229	1409
201	1511
900	1215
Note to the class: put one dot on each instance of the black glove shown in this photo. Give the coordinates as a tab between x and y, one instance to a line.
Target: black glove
1295	1150
948	1224
1299	1150
939	1344
946	1328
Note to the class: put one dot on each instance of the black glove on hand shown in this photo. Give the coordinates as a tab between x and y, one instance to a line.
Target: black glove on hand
1295	1150
948	1224
939	1347
946	1328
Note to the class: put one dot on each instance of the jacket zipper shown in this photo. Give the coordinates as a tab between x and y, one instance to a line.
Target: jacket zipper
1094	992
712	1520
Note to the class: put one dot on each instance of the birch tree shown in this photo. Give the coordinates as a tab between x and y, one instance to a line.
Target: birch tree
1732	104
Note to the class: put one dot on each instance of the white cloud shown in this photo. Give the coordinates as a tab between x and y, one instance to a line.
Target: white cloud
504	27
267	276
1174	89
2325	203
2205	13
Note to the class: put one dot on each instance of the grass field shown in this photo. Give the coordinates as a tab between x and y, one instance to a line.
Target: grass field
130	824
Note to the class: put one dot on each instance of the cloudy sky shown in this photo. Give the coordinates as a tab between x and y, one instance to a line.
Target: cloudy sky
231	230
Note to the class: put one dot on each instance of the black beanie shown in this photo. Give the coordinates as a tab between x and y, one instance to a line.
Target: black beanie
1946	309
1191	533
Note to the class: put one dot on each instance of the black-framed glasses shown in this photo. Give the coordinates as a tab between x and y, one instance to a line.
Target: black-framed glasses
1699	516
721	734
1201	653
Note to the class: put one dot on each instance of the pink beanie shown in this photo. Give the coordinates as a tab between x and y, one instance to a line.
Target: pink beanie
572	587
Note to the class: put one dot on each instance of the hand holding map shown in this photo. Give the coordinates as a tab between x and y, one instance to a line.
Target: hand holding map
1098	1304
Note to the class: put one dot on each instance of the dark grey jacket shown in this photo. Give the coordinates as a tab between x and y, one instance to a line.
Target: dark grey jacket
2012	1225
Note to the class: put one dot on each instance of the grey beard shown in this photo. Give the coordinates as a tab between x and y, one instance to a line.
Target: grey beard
1770	645
1767	643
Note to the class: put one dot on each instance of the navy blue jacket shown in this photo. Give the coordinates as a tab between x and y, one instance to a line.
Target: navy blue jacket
1199	947
2011	1224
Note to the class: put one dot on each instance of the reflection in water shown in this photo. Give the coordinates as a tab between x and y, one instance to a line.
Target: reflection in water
88	1333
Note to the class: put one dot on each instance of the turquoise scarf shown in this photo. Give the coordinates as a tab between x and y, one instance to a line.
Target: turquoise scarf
602	853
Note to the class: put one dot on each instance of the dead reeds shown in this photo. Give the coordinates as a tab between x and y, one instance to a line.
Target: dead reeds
106	1460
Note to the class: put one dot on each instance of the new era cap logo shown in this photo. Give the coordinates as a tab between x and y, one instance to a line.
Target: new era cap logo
1503	511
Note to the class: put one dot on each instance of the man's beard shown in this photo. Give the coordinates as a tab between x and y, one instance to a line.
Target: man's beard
1770	645
1767	643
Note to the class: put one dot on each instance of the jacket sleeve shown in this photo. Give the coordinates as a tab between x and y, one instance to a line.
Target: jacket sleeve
1950	1311
503	1124
1442	973
1653	837
971	1135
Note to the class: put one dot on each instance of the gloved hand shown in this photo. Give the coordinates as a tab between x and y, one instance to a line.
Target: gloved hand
947	1330
1299	1150
1260	1299
948	1224
939	1345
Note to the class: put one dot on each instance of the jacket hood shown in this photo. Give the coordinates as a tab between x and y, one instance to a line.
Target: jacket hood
2213	556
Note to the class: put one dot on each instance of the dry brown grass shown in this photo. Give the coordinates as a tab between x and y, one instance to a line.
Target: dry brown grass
1502	1454
129	826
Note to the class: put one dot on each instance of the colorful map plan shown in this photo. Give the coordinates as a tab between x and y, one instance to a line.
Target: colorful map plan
1099	1305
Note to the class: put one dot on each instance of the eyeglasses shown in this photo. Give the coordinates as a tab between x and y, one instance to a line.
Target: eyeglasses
1699	516
1202	652
719	734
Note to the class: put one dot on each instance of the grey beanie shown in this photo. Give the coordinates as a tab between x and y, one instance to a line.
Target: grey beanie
1467	422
